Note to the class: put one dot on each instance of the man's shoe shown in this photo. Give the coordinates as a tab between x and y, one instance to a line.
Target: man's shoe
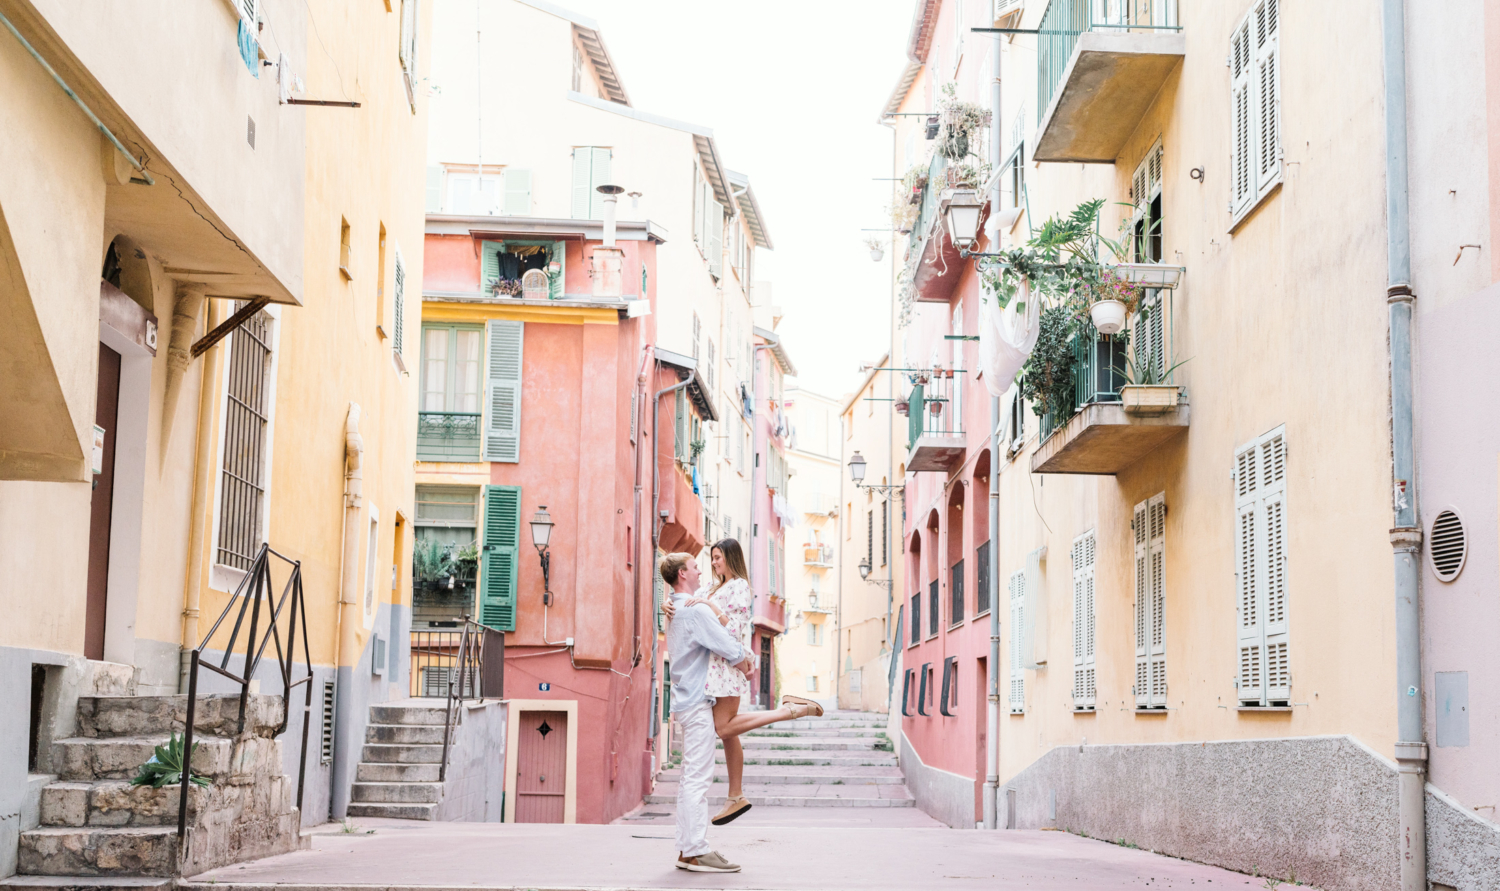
732	808
713	861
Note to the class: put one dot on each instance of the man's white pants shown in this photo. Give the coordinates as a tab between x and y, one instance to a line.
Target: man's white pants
698	740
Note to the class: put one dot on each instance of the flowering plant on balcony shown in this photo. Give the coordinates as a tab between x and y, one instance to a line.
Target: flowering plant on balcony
1061	263
961	123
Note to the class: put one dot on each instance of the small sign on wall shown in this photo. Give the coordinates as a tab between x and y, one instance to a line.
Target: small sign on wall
98	453
544	686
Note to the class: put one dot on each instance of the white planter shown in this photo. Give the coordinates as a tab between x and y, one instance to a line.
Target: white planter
1108	316
1150	275
877	254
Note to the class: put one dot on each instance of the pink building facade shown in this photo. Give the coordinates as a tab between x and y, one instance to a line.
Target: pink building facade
771	511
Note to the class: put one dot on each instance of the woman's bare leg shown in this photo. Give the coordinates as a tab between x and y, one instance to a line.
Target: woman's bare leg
732	725
725	708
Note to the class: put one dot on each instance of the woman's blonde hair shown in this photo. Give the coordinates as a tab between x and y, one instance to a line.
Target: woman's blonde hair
671	565
734	561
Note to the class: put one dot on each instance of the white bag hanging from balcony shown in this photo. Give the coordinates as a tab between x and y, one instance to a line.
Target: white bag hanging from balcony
1006	336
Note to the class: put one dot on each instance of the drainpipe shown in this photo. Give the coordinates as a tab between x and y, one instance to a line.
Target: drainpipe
1406	534
656	511
992	709
202	477
635	572
350	618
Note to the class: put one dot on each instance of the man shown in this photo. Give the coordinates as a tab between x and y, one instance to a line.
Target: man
694	635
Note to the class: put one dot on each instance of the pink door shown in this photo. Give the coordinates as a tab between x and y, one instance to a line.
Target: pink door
541	767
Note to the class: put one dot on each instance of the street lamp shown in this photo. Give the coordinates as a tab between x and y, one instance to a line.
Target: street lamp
541	534
963	218
857	465
864	569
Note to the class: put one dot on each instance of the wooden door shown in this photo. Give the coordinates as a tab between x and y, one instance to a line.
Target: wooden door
541	767
765	672
106	411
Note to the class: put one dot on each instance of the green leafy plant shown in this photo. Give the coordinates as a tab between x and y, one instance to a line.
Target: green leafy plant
167	766
961	122
1149	371
1046	380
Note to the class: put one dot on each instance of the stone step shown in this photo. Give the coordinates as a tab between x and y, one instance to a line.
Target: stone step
405	734
367	772
85	883
805	744
408	714
776	731
118	758
804	776
402	754
394	811
219	715
820	796
87	851
398	793
814	759
116	803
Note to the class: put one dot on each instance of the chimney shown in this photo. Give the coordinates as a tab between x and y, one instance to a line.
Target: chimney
608	259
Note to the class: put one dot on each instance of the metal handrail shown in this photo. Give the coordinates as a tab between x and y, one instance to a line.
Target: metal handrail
252	589
1065	20
467	674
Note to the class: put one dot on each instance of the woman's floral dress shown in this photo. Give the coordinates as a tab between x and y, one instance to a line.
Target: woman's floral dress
735	599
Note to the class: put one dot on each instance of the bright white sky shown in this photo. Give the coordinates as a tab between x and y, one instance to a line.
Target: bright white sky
792	90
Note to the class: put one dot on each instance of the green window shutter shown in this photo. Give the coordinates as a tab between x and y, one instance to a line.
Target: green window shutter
582	175
599	176
502	536
489	265
517	192
555	283
502	441
434	189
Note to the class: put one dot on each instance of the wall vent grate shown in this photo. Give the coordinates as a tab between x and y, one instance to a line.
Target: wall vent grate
1448	545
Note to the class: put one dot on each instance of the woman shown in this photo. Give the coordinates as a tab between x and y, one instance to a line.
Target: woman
732	600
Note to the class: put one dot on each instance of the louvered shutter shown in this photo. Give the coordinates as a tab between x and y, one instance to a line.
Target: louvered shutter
398	336
558	254
1249	625
1017	663
503	431
517	192
583	158
715	239
1241	64
1260	552
680	427
1157	547
599	175
1083	621
1142	604
434	189
489	265
1267	88
502	538
1271	513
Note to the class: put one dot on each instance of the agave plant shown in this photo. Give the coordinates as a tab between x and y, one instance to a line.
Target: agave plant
167	766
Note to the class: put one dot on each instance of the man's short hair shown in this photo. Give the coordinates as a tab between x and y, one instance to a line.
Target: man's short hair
671	565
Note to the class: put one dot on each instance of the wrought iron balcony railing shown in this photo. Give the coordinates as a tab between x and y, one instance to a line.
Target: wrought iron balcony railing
1065	20
448	436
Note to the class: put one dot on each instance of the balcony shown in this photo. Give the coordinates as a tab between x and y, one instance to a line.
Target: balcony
448	436
934	423
817	556
1100	64
1116	422
933	264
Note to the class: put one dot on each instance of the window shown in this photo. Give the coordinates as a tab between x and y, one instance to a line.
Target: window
916	619
398	320
380	284
577	83
591	169
434	196
949	699
708	223
1083	621
812	683
408	50
1260	570
697	333
445	555
1255	103
870	545
474	194
885	530
1145	218
956	414
982	579
502	441
247	410
957	592
815	634
346	251
451	367
499	557
505	262
1150	526
934	608
1017	639
1013	179
1017	423
710	369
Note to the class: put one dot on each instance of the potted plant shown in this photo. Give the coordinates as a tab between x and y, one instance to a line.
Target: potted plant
877	248
1148	388
961	122
903	407
914	182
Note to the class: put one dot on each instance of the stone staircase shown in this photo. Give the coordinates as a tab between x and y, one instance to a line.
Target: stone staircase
397	775
95	824
840	760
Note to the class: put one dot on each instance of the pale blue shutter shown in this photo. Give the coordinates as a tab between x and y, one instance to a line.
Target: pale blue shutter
557	254
434	189
715	239
599	175
489	265
517	193
503	430
582	162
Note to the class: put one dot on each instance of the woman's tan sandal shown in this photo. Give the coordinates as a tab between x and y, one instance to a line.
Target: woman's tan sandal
732	809
802	708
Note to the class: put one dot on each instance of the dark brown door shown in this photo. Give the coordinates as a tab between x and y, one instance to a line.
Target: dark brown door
105	415
765	671
541	767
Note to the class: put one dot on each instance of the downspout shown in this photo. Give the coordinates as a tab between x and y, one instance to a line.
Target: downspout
992	710
1406	534
635	572
349	619
188	303
656	495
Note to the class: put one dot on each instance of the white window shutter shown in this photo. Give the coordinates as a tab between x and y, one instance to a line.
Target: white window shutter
1083	622
715	239
1157	516
558	254
502	440
599	175
1267	86
583	158
398	335
1139	525
517	192
1017	663
434	189
1249	627
1271	513
1242	145
1260	568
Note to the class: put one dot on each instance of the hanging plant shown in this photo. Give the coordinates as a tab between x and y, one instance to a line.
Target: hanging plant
961	123
1046	380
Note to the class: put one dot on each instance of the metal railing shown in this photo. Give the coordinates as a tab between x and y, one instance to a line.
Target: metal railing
1103	365
817	555
467	662
933	405
1065	20
254	588
448	435
937	180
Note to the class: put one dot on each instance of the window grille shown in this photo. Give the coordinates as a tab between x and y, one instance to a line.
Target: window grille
950	687
916	619
982	579
242	486
326	742
885	532
958	592
935	615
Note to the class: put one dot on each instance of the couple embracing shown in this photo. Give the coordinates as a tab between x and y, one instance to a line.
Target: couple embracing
711	665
